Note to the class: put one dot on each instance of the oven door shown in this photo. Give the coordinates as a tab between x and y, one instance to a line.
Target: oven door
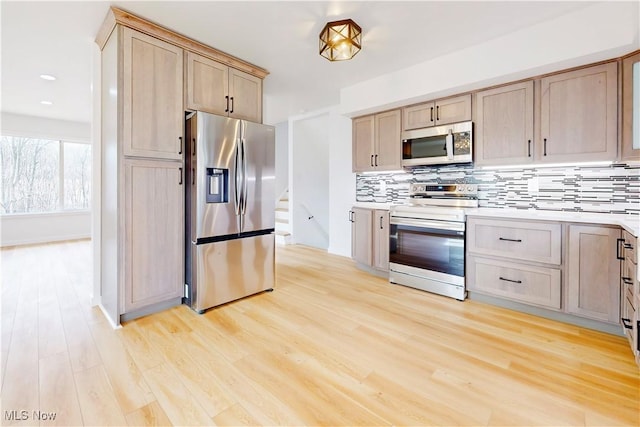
436	246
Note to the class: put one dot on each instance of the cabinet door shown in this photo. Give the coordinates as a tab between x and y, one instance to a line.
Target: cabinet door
245	96
629	151
362	143
593	277
504	125
388	153
453	110
579	115
381	240
154	233
361	241
152	115
419	116
206	85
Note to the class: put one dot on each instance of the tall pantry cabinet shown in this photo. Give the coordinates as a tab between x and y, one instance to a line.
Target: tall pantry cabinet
148	82
142	173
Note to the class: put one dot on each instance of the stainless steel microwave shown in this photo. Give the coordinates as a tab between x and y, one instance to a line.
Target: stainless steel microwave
438	145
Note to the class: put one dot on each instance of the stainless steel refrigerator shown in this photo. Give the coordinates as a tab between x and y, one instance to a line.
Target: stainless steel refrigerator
230	209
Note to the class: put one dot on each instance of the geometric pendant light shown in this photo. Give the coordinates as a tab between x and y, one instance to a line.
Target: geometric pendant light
340	40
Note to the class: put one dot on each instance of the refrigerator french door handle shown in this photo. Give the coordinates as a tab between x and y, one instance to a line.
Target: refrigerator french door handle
244	179
238	179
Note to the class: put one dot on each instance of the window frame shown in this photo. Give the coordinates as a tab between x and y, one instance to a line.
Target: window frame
61	210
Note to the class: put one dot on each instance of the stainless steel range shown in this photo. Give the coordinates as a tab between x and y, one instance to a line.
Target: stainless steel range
427	238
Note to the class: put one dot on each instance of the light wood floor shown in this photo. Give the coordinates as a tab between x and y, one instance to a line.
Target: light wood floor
330	346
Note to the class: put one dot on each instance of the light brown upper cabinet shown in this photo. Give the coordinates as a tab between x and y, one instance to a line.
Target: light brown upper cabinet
578	115
376	142
629	84
439	112
218	89
153	114
504	125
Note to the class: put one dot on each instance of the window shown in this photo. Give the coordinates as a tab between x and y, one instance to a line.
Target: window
42	175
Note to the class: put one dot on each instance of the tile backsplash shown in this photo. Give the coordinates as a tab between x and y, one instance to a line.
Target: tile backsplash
603	189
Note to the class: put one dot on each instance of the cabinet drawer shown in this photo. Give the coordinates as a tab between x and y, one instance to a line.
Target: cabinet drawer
519	282
528	241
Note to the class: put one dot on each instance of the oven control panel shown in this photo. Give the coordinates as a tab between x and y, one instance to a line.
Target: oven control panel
443	190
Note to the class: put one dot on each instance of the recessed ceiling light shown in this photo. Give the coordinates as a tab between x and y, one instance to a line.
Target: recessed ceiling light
46	102
47	77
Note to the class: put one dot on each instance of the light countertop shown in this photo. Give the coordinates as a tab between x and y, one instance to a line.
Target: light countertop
628	222
373	205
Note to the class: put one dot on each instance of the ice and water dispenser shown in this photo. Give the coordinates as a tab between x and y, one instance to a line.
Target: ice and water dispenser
217	185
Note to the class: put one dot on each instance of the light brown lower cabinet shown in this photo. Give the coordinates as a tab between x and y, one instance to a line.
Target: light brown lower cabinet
361	238
153	233
529	284
593	272
370	237
381	236
630	291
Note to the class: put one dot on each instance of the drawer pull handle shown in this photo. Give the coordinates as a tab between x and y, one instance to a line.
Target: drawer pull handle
627	280
628	246
626	323
509	280
510	240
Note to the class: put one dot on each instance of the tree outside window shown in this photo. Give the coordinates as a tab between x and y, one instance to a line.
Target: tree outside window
32	180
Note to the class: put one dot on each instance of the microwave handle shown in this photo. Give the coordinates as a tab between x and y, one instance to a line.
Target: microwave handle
448	140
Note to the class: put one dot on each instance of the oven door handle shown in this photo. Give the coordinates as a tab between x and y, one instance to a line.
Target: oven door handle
430	225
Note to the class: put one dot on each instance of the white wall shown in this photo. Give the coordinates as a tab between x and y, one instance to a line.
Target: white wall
45	227
282	157
342	183
40	127
322	176
599	32
309	189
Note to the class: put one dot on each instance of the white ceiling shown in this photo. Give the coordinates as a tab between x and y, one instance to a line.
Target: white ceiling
57	38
